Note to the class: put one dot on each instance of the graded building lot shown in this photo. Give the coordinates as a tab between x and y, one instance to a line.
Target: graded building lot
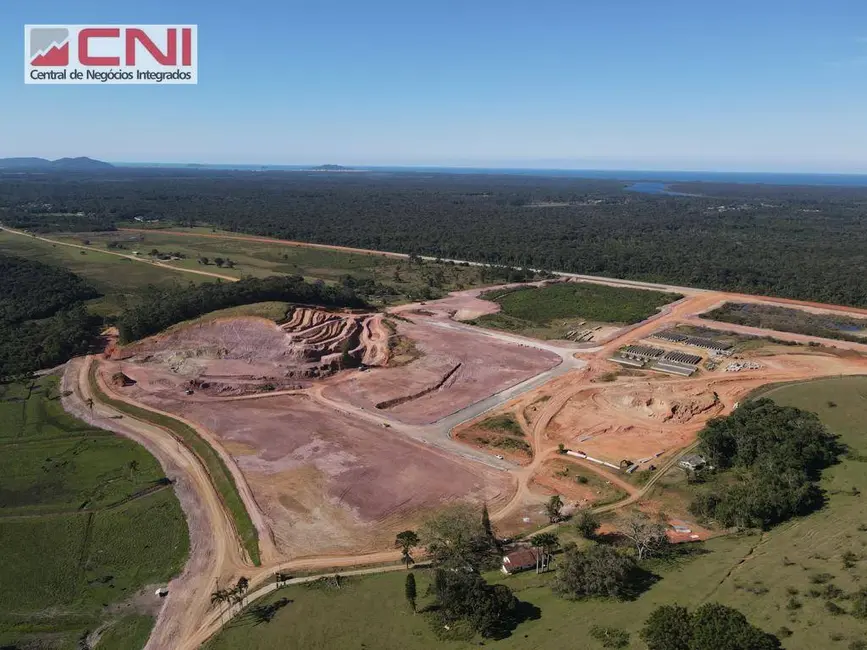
327	483
760	574
457	368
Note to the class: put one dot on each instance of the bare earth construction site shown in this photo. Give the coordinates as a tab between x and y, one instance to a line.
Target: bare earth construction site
345	427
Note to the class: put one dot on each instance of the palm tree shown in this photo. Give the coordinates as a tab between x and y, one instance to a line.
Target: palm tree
554	508
547	543
406	541
219	597
242	587
89	402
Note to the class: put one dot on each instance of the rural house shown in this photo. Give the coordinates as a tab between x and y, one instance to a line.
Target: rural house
521	560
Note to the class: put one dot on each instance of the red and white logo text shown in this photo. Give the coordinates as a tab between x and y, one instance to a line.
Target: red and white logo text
110	54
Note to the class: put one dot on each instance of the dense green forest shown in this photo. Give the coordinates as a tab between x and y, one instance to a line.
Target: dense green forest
161	308
34	290
798	242
767	460
43	321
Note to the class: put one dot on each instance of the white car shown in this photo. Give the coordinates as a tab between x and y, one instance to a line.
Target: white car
500	457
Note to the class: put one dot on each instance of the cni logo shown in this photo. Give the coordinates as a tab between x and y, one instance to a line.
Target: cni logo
110	54
49	46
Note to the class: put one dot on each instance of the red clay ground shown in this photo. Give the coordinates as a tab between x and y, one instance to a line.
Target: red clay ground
328	483
560	476
480	365
235	356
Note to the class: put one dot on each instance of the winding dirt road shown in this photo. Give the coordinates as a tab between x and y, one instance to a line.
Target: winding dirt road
187	618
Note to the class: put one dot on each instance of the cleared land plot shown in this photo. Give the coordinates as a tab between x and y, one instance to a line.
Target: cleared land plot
117	278
553	311
797	321
417	280
500	435
327	482
86	520
758	574
577	484
458	367
637	421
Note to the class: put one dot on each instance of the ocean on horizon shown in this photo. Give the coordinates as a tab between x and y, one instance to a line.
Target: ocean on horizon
635	176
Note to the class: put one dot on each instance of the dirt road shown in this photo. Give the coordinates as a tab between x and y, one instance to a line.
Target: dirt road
214	547
187	618
134	258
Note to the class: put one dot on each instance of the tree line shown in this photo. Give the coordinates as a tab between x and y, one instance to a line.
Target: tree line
43	319
743	240
159	308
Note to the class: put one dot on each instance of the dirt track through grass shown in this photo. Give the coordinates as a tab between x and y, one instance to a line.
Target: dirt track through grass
87	519
219	473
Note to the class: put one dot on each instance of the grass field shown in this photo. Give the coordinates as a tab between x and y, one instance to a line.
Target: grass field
220	475
86	520
261	259
785	319
550	312
129	632
505	422
117	278
782	580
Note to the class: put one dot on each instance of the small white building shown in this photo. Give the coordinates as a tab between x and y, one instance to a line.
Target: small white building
692	462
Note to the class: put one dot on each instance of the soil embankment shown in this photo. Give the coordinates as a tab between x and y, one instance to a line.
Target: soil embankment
397	401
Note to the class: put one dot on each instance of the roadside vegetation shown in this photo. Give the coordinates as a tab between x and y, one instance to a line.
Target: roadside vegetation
87	520
799	584
382	279
797	321
552	311
220	474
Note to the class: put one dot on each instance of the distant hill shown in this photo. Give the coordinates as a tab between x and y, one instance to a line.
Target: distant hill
61	164
332	168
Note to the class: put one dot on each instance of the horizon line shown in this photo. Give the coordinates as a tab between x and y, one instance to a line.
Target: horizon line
480	167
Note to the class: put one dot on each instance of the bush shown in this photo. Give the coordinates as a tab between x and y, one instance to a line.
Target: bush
610	637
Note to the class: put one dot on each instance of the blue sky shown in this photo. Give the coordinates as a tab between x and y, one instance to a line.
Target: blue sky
764	85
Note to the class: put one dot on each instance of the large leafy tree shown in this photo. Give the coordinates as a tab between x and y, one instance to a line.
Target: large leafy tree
596	571
462	595
406	541
775	453
456	538
710	627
